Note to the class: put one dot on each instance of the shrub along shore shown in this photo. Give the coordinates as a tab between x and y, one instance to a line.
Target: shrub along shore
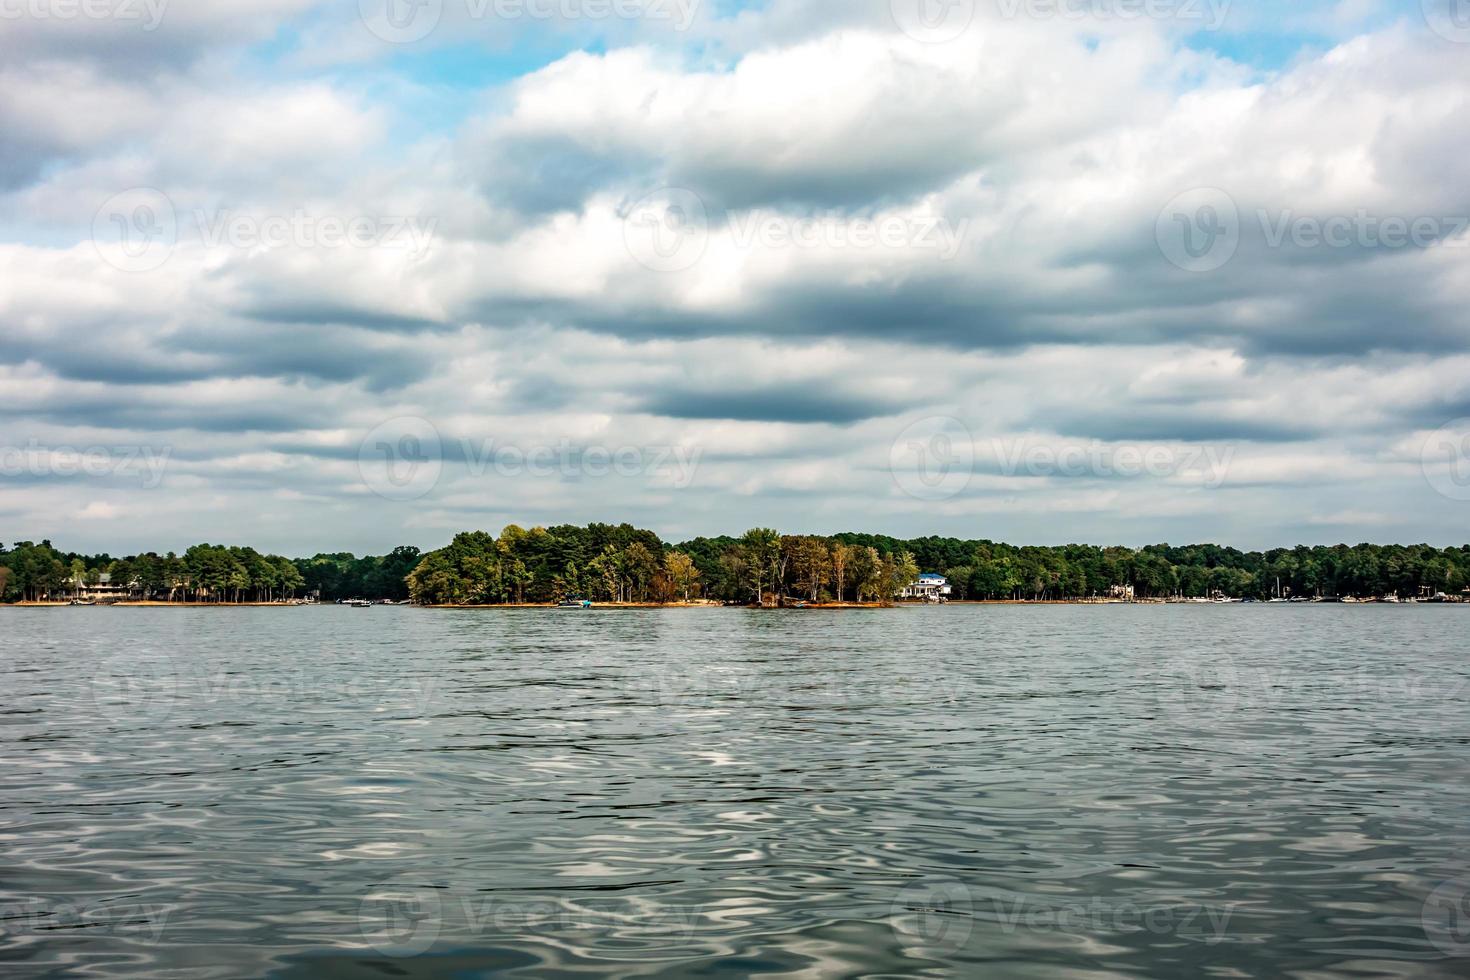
623	565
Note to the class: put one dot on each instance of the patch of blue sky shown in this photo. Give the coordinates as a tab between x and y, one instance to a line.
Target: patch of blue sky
1269	35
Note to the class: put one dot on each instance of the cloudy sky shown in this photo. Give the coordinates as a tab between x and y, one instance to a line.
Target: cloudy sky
342	276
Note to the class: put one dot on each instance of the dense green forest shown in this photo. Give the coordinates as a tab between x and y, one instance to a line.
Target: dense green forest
622	563
204	573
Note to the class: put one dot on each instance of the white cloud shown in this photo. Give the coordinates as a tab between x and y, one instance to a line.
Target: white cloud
527	318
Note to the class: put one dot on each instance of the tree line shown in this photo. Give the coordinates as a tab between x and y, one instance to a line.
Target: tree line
31	572
621	563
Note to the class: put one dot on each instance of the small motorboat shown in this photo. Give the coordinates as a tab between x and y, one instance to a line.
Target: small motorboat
575	604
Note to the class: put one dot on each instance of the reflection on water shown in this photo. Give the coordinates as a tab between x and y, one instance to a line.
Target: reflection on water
1010	791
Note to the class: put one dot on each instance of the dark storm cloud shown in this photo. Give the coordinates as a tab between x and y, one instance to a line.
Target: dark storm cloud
540	175
1439	409
772	404
125	364
726	183
312	352
538	393
115	410
929	311
1140	301
325	312
1358	316
1133	423
378	370
140	38
25	157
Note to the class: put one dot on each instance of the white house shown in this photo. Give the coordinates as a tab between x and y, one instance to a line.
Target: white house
929	587
106	590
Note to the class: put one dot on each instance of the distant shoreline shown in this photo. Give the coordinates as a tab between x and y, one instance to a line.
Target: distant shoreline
164	605
809	607
635	568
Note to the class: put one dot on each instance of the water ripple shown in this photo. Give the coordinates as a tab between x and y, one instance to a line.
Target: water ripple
1028	792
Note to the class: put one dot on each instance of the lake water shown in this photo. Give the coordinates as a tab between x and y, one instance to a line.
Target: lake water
1059	791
